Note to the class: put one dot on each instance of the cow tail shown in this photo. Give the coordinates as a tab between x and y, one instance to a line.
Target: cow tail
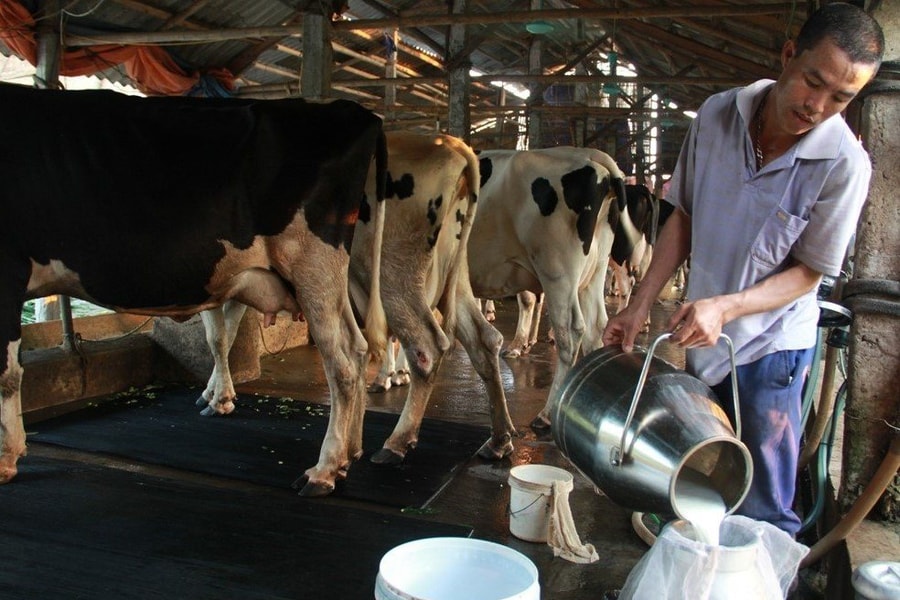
460	268
376	321
617	182
654	215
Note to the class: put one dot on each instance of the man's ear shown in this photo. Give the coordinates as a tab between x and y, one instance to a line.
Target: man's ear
788	51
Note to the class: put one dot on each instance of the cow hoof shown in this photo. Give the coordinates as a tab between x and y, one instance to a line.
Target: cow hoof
386	456
490	316
511	353
400	379
540	423
312	489
202	401
7	474
214	410
494	451
377	388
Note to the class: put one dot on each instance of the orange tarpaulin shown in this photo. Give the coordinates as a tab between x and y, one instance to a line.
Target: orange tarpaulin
152	69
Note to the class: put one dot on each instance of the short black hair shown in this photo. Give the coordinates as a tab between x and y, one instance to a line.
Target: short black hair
851	29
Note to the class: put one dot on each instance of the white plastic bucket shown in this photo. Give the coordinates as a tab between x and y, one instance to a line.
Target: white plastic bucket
449	568
531	499
877	580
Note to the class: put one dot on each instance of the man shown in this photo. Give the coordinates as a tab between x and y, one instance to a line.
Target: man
768	188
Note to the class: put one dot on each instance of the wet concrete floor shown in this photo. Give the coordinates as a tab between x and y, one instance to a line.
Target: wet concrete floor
479	494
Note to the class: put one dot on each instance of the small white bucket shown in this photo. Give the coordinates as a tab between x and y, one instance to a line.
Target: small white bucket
449	568
531	499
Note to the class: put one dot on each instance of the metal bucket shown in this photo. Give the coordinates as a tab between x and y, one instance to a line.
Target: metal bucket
642	429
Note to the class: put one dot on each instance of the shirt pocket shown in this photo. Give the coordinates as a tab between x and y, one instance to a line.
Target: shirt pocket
777	236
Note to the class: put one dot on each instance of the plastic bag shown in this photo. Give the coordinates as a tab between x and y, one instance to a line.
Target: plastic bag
754	561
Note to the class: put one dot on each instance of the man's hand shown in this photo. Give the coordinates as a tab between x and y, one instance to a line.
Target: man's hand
697	324
624	327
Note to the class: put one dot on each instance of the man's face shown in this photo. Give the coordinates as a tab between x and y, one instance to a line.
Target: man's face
815	85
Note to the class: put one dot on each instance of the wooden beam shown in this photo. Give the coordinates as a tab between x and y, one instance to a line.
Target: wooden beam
559	78
526	16
208	36
663	36
152	11
182	17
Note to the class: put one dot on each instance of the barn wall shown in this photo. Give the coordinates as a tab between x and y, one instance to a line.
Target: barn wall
873	412
875	334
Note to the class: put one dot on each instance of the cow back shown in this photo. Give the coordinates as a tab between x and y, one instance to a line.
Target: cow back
140	196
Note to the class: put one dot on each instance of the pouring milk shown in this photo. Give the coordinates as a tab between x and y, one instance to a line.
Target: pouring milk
701	505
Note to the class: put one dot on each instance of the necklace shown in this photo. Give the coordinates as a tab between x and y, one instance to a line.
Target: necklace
757	147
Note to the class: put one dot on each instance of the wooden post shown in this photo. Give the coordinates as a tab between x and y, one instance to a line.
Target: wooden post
46	76
535	67
458	79
315	72
390	72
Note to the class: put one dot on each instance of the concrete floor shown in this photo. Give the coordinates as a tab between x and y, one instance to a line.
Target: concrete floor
479	495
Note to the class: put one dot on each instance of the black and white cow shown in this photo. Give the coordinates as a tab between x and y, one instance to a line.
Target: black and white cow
629	258
544	225
171	206
679	280
431	193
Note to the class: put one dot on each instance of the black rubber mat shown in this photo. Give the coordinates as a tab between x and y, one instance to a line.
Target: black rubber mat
266	440
72	531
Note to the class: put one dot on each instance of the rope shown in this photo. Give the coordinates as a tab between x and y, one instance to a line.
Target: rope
118	337
262	336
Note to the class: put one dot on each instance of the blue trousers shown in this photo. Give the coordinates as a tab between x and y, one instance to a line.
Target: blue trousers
770	393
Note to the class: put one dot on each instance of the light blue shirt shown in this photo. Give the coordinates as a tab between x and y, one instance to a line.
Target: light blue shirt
746	224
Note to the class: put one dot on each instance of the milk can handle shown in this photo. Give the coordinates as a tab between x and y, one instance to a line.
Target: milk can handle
618	455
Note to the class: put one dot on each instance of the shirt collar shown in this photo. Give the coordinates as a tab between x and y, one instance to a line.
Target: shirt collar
822	142
748	97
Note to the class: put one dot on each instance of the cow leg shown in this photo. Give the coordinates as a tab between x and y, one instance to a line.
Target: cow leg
536	324
490	311
384	377
401	375
221	325
568	324
482	343
421	384
12	430
623	284
394	370
590	298
405	435
322	274
520	342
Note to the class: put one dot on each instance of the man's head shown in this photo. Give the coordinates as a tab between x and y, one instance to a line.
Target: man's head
837	52
850	28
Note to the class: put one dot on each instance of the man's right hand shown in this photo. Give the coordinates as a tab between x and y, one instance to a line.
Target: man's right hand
624	327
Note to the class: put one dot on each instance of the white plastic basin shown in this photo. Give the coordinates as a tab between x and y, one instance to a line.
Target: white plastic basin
452	568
